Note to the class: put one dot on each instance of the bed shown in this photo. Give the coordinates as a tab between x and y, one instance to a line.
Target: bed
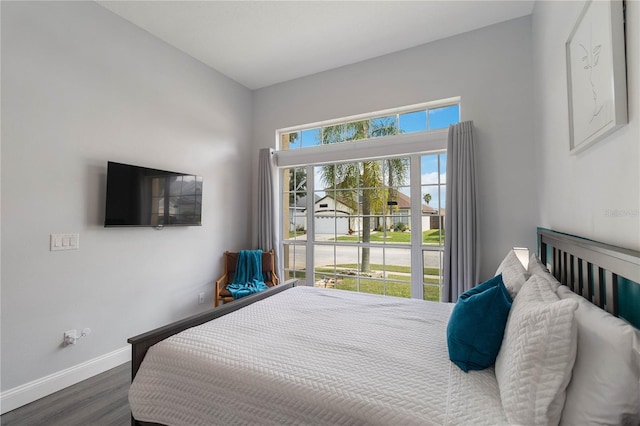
303	355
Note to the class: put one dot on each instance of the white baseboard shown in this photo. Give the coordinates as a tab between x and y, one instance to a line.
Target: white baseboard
32	391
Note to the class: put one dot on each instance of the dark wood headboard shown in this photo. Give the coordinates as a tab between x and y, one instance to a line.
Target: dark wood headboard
606	275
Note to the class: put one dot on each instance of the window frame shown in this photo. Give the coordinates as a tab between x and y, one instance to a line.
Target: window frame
410	145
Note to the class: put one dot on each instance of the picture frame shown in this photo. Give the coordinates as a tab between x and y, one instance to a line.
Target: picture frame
596	74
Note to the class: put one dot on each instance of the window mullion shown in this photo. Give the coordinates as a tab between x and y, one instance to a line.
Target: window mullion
416	228
311	229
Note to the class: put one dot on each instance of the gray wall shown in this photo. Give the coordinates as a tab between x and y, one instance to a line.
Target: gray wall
489	68
81	86
597	192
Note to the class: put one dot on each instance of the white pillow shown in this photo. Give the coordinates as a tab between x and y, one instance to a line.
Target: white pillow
533	367
605	387
537	268
513	273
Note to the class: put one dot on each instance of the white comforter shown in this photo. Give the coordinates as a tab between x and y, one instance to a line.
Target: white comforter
311	356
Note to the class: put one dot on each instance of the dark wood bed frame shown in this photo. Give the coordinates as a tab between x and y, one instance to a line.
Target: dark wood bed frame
606	275
140	344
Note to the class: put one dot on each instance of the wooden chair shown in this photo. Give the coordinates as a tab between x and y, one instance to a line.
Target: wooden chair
230	259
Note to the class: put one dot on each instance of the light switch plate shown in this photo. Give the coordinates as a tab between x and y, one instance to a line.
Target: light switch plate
64	242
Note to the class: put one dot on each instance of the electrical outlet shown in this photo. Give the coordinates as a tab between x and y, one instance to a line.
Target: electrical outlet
200	298
70	337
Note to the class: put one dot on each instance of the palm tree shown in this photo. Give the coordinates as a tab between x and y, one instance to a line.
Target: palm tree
396	170
427	198
297	184
362	183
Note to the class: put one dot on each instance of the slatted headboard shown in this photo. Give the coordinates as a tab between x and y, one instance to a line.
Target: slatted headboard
606	275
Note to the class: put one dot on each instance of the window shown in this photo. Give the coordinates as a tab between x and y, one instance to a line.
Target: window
433	196
359	243
368	224
408	120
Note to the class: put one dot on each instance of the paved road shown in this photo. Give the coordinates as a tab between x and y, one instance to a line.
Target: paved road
328	255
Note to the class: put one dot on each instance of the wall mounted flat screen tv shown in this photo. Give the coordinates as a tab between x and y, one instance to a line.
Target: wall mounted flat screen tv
139	196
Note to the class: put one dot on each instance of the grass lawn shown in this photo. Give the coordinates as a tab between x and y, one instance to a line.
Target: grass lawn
398	284
432	292
400	289
378	267
431	236
393	288
294	234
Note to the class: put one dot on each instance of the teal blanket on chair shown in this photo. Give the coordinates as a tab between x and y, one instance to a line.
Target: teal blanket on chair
248	278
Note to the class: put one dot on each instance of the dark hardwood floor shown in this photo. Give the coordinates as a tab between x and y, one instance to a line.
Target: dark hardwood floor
98	401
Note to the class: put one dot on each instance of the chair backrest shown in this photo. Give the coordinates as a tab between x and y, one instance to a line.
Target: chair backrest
268	265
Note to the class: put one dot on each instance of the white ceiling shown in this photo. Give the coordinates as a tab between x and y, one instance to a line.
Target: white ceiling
260	43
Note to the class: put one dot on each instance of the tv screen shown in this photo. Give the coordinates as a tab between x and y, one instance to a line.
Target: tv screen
139	196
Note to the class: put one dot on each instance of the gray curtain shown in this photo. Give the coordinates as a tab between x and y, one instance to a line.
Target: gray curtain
267	232
461	269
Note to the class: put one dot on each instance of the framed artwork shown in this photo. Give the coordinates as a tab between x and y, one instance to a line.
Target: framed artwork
596	74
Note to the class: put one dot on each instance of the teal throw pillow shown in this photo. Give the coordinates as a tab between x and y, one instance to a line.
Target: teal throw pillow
476	325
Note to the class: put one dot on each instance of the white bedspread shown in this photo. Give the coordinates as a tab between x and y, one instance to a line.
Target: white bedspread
310	356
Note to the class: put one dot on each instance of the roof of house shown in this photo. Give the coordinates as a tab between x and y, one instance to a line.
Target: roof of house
403	200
